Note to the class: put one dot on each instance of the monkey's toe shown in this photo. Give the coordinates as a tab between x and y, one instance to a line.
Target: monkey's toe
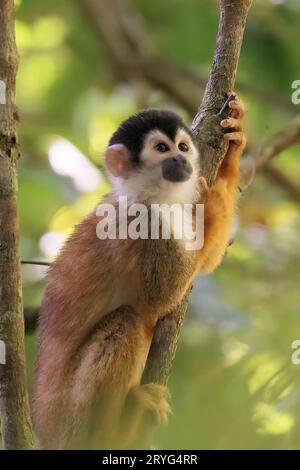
156	399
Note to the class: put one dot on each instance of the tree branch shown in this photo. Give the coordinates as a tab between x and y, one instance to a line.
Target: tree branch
280	142
14	408
206	125
124	33
291	188
222	76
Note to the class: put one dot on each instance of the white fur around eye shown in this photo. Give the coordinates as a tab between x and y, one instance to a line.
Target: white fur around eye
150	155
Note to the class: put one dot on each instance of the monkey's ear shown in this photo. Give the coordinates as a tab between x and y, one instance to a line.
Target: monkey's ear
117	160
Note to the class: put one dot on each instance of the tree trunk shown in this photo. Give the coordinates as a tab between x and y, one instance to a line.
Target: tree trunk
14	408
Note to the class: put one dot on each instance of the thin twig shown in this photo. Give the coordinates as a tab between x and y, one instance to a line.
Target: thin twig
37	263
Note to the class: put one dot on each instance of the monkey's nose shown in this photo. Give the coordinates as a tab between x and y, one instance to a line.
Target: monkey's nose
176	169
179	160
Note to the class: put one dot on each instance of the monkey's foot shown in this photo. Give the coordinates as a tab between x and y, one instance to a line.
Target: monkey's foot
154	398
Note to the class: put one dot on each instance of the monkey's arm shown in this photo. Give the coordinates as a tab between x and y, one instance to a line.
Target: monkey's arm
220	200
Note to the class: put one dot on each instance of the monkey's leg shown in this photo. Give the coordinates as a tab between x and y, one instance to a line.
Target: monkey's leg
108	373
84	409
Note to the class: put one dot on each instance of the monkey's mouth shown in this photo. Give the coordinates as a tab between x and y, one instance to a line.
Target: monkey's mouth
176	169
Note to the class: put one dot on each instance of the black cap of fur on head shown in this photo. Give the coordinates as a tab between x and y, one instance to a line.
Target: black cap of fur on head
133	131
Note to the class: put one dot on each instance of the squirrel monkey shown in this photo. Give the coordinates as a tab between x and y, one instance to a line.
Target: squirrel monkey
104	297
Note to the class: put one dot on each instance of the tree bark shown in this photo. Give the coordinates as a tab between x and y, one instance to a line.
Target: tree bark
206	125
164	345
14	407
206	128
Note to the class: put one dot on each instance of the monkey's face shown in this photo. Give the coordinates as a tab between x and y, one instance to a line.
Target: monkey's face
167	169
174	161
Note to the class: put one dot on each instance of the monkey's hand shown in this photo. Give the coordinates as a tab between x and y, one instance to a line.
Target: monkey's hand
236	137
219	200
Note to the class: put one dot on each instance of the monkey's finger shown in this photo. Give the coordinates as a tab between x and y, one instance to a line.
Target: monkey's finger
238	108
237	138
232	123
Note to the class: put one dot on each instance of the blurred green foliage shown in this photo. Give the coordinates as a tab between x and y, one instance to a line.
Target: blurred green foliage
233	383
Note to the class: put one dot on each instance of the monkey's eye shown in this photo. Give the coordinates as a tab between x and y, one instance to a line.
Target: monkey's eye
162	148
183	147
